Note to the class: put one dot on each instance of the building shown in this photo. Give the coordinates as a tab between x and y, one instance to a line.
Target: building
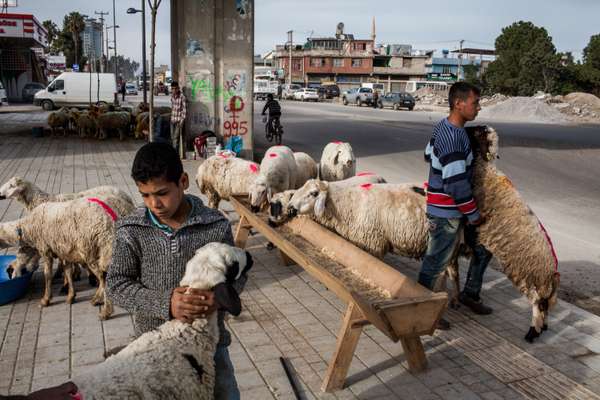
341	59
20	64
453	68
91	39
394	64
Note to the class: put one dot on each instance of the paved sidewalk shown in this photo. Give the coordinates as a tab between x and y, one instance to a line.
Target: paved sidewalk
287	313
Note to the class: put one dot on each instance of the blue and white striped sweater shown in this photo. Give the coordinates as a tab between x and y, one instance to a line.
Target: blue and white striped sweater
449	192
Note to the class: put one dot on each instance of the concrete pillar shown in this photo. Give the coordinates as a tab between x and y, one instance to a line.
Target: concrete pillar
212	46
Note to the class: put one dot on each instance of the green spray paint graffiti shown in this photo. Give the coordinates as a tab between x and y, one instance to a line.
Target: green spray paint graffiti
203	89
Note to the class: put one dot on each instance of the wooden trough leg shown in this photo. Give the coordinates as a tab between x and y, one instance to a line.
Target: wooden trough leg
415	354
241	233
285	259
346	345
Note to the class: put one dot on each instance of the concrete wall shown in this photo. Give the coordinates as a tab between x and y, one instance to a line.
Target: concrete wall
212	44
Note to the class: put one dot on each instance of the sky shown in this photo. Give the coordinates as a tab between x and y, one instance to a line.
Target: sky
434	24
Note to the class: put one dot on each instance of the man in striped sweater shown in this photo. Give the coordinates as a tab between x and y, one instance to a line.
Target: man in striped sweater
450	202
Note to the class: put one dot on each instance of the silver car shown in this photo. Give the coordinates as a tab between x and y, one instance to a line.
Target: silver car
3	98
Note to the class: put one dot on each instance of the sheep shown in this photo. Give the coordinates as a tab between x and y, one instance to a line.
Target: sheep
76	231
278	172
175	361
86	123
337	162
279	210
512	232
59	119
28	194
220	177
142	124
113	120
307	168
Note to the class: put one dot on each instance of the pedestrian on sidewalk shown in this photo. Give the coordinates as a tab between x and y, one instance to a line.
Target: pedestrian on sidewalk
178	112
123	89
450	203
375	99
152	246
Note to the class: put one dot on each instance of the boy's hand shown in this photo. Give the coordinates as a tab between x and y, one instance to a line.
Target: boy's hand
66	391
478	221
194	304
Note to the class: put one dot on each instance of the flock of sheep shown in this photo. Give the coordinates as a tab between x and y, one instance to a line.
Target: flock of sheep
101	121
382	217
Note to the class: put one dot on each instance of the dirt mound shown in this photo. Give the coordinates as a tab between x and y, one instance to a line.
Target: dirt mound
525	109
428	96
583	100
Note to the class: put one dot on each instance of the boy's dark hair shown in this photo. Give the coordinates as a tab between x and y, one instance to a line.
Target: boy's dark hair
269	96
461	91
156	160
174	84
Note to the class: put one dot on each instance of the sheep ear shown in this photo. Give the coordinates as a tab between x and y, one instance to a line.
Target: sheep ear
269	194
335	159
320	204
227	299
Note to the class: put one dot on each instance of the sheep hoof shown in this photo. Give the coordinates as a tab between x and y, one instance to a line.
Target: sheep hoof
64	289
270	246
531	334
544	327
44	302
71	299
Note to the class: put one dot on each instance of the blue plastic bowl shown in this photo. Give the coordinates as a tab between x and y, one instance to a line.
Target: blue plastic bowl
11	289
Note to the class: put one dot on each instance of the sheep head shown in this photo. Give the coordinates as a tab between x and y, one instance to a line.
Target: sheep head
26	261
310	198
14	187
216	266
541	306
345	158
484	142
258	193
279	207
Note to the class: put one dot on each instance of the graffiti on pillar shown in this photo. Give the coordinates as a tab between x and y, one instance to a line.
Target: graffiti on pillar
241	6
203	119
204	89
235	85
193	47
235	125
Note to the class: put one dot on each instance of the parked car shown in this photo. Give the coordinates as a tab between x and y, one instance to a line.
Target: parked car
306	94
331	91
131	89
30	89
74	89
397	100
3	98
358	96
288	90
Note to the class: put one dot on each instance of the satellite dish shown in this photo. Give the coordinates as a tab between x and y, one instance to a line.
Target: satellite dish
340	28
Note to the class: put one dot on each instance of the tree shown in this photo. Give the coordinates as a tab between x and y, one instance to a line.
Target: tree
53	33
526	61
154	4
591	53
127	67
74	24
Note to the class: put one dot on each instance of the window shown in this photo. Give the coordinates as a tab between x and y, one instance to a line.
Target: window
356	62
317	62
360	46
407	62
446	69
338	62
59	85
297	66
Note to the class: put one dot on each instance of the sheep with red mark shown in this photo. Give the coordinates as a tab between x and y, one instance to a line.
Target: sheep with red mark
278	172
337	162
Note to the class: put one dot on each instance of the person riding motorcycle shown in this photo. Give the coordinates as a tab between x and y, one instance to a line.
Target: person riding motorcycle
274	111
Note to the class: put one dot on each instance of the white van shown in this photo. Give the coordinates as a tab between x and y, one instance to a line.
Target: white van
379	87
77	89
3	98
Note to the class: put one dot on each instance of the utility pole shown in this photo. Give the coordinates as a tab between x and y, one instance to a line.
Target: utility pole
290	41
144	72
459	60
102	14
115	38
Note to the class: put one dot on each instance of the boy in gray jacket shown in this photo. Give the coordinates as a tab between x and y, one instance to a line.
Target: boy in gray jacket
152	247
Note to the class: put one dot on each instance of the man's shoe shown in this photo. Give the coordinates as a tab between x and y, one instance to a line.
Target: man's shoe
475	305
442	325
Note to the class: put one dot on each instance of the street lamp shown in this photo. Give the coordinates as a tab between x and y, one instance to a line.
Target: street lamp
132	10
110	48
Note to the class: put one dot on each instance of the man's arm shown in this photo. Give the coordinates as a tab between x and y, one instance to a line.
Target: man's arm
123	285
456	181
183	108
265	108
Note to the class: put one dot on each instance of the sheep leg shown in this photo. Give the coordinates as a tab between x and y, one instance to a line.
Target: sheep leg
106	309
97	298
45	301
453	273
213	200
68	272
537	323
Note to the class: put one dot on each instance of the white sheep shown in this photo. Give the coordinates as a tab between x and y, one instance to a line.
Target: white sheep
278	172
219	177
279	203
307	168
337	162
175	361
512	232
30	195
79	231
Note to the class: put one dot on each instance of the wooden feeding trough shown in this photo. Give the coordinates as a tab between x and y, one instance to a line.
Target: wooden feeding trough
375	292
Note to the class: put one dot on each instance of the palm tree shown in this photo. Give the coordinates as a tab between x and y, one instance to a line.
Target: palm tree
74	24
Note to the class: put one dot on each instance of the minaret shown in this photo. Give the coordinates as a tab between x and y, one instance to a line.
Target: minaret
373	31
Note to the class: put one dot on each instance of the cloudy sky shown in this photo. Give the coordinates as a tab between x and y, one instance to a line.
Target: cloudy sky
434	24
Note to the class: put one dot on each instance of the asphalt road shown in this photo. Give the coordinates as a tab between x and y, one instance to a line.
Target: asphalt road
554	167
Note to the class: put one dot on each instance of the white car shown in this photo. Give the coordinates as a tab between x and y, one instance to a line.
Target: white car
131	89
3	98
306	94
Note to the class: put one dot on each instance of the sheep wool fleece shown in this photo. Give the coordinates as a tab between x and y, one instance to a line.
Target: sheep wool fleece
148	263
